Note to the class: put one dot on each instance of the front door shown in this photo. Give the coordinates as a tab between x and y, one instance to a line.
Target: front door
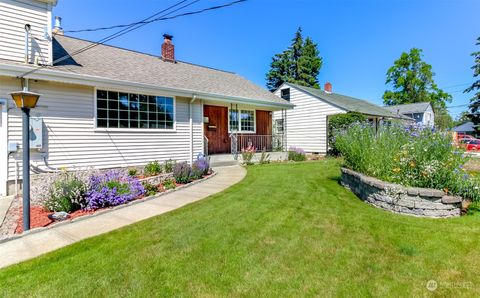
216	130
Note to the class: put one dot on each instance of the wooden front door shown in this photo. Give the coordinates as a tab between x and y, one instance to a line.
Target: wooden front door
216	130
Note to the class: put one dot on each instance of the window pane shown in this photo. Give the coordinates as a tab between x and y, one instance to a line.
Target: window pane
247	121
101	104
123	101
101	122
233	120
101	113
113	123
112	104
102	94
113	95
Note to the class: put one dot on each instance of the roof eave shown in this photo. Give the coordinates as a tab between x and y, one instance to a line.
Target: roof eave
96	81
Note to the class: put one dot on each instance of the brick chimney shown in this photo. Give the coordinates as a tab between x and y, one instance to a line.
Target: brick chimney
328	87
168	49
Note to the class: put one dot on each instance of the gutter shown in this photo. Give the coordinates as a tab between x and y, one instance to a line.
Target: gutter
95	81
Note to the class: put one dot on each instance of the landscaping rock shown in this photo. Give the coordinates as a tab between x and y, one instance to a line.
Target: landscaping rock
59	216
451	199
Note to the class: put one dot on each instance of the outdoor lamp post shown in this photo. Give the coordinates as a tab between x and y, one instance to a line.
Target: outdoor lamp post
26	100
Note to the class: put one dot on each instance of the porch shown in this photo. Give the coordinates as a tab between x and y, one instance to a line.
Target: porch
229	129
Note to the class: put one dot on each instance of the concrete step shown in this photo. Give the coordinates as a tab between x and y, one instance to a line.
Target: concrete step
222	160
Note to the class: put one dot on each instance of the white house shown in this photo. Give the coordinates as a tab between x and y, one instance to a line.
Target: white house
306	126
421	112
110	107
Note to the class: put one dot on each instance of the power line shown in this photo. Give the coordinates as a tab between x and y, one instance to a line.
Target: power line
135	26
157	19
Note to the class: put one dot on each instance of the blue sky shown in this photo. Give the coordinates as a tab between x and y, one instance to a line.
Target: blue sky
358	40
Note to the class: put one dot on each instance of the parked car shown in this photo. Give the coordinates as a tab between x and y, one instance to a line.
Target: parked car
473	145
464	137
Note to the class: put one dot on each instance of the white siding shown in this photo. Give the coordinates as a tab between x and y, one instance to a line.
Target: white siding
307	122
429	117
71	141
14	14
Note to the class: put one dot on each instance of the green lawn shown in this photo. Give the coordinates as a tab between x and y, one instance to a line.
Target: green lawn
286	230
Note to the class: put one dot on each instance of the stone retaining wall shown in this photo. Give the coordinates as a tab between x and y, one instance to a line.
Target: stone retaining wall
399	199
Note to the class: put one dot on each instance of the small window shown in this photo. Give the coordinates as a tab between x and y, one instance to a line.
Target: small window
285	93
242	121
279	128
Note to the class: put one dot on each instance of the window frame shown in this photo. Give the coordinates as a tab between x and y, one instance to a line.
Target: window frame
124	129
240	121
281	94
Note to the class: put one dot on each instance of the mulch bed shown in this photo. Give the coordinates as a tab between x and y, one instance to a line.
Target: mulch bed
39	215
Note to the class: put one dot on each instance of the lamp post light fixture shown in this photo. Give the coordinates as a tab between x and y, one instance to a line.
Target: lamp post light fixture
25	100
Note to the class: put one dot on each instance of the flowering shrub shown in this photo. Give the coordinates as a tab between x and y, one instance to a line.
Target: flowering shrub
248	153
112	188
182	172
296	154
66	193
413	156
199	168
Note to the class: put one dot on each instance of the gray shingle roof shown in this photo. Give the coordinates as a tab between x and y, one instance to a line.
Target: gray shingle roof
126	65
467	126
347	103
411	108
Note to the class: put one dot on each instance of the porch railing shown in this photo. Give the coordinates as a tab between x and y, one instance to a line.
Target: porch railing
268	143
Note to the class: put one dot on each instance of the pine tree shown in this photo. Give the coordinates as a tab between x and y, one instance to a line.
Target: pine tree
299	64
475	100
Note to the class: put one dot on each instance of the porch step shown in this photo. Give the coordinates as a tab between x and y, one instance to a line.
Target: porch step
222	160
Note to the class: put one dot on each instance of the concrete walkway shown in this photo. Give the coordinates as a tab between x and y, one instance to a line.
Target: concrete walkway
34	244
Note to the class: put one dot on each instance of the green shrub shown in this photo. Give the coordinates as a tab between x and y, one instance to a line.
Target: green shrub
153	168
132	172
340	122
150	189
66	194
410	156
169	184
296	154
169	165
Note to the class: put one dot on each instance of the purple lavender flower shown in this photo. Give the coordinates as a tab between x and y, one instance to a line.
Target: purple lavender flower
112	188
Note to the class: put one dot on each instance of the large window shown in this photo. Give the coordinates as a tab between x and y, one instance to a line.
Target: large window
285	94
242	120
131	110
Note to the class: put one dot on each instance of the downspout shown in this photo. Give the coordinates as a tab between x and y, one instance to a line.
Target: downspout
27	42
191	126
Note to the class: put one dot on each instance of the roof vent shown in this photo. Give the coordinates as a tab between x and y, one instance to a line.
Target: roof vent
168	49
328	87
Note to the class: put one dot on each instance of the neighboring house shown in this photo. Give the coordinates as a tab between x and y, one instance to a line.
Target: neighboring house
306	125
421	112
112	107
466	128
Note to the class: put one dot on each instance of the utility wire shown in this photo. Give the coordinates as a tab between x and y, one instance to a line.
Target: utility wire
157	19
135	26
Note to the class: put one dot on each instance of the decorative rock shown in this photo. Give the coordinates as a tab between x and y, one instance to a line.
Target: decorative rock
59	216
451	199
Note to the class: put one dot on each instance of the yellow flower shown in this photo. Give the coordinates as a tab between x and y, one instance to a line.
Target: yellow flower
412	164
396	170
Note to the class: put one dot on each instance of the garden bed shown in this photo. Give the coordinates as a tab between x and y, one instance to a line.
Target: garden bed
414	201
39	216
